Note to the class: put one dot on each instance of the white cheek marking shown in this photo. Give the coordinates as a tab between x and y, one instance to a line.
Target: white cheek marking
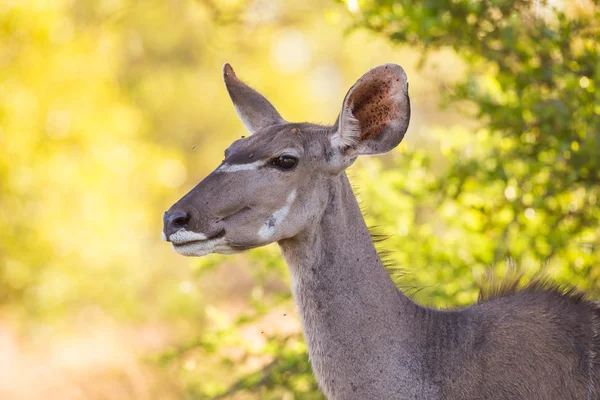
182	236
164	237
268	227
239	167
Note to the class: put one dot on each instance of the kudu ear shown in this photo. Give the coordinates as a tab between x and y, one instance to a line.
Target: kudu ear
375	113
253	109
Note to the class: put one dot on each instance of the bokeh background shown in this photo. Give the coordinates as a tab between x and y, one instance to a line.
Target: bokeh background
110	110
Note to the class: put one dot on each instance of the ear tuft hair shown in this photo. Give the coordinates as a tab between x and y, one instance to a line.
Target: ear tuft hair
351	131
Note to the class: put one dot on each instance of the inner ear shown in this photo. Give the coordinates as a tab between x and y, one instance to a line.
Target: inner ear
375	113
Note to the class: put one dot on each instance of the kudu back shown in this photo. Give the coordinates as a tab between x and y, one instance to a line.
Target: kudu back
286	183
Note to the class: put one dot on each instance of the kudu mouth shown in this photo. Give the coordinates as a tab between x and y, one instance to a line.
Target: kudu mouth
183	237
190	243
195	232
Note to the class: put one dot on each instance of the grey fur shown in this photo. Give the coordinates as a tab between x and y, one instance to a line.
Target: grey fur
366	339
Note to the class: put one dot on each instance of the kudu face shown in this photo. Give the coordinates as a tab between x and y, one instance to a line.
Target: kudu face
274	183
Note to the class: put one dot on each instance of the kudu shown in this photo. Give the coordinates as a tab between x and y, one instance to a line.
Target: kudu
286	183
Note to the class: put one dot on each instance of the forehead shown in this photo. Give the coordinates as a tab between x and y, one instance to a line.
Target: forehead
271	141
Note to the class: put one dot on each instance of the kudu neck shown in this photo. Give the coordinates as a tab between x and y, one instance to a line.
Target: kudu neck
351	310
337	251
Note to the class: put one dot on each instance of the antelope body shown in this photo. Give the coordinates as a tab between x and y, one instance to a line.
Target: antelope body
286	183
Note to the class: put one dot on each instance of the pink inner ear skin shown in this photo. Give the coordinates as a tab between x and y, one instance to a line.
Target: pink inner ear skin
373	105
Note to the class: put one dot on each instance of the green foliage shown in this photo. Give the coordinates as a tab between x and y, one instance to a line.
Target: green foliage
523	184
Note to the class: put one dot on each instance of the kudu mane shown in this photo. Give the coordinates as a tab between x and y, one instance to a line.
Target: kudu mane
490	287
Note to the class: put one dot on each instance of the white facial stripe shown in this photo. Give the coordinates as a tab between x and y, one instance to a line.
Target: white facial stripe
183	236
240	167
268	227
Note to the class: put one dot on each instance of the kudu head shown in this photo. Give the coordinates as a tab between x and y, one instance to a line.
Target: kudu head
275	182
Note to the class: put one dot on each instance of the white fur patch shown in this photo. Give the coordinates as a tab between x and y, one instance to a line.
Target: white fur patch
268	228
183	236
239	167
199	249
164	237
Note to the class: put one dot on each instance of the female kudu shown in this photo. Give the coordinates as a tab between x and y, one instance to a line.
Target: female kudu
286	183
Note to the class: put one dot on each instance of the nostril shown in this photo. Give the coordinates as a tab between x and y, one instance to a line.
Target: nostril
178	220
174	222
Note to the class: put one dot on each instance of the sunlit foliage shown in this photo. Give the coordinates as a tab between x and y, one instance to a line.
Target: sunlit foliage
523	183
111	110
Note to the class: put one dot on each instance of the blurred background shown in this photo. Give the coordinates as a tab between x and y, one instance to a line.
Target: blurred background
111	110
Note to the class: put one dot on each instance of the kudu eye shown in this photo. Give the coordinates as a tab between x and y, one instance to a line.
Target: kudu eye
285	162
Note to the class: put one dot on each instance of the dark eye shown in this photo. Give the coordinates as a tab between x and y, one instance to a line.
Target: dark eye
285	162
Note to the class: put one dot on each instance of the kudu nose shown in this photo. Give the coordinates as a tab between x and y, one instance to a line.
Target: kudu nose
174	222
